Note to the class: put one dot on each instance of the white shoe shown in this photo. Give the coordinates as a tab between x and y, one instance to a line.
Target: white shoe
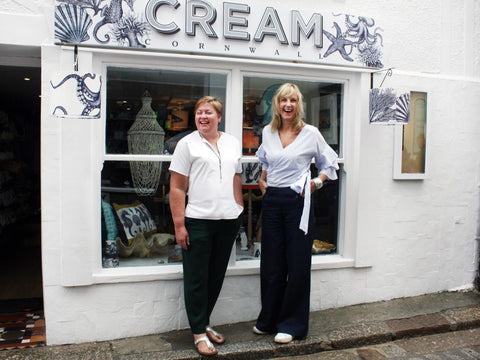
259	332
283	338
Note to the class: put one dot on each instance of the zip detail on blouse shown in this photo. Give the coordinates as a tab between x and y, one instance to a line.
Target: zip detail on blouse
217	154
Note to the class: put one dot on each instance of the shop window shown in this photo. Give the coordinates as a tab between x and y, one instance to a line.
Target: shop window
148	112
322	104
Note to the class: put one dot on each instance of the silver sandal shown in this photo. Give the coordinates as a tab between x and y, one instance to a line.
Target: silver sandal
215	336
209	346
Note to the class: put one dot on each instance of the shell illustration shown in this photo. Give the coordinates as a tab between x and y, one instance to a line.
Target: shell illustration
402	111
71	24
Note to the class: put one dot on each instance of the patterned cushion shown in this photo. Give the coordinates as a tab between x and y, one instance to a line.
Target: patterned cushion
135	218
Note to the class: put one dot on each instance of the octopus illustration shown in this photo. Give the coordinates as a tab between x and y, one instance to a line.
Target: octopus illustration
360	30
112	14
87	97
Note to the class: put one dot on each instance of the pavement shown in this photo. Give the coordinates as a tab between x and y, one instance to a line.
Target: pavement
330	330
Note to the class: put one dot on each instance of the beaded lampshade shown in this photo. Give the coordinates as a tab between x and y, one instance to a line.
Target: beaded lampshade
146	136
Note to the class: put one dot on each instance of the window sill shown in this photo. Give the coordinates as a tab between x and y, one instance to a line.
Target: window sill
174	272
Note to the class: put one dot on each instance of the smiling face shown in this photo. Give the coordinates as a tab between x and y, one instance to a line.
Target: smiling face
288	107
207	119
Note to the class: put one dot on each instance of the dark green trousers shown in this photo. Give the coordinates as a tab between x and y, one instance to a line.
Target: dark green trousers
204	266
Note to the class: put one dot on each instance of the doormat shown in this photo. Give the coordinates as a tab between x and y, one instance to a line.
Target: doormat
22	329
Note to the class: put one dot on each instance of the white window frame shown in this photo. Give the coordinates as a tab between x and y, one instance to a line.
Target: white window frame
350	252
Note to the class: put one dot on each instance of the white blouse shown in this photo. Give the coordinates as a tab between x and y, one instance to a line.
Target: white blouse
210	175
290	166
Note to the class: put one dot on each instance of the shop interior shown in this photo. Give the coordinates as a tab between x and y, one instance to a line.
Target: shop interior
20	235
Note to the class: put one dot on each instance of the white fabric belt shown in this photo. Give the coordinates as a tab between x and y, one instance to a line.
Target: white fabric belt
303	184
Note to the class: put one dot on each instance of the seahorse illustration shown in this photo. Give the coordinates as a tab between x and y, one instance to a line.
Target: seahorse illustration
90	99
111	13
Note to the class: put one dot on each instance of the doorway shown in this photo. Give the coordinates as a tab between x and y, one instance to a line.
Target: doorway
20	235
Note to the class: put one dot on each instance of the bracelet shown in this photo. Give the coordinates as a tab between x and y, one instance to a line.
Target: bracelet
318	183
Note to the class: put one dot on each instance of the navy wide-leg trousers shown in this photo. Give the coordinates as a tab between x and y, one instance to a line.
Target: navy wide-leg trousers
285	264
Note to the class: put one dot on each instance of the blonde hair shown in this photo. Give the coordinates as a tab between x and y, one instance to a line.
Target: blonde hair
287	90
217	104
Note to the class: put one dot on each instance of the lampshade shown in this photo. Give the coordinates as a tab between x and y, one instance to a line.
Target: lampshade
145	136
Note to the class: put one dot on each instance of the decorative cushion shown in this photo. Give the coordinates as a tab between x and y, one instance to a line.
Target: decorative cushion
135	219
110	254
110	223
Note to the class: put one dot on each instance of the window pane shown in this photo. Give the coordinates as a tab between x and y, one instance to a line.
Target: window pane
137	230
323	105
165	96
414	135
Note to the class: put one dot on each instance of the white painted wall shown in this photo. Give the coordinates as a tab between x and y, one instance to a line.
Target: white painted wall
420	235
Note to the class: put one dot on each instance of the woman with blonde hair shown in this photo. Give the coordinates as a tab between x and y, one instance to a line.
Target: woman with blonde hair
288	147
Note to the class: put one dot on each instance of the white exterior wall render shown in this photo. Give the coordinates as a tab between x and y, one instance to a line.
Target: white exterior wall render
420	235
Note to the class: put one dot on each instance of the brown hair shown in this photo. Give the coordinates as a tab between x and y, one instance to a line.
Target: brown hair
217	104
287	90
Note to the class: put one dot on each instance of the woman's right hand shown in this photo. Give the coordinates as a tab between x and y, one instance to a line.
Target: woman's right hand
263	186
181	235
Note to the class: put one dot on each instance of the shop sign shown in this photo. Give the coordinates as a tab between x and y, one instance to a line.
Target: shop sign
234	29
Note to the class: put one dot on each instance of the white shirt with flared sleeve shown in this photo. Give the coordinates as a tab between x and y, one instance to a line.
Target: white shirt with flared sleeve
290	166
210	175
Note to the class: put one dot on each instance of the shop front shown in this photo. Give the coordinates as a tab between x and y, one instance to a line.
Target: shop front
118	92
117	106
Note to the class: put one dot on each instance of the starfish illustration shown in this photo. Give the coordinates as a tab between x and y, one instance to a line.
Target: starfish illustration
338	43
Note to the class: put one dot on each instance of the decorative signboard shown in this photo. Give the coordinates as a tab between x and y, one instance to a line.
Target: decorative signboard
76	95
388	106
215	27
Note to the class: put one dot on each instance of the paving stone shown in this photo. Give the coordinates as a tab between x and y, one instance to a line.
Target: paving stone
370	354
419	325
332	355
390	350
140	344
440	342
464	318
326	355
358	335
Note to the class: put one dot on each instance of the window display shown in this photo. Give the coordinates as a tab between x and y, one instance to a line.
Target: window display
148	112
